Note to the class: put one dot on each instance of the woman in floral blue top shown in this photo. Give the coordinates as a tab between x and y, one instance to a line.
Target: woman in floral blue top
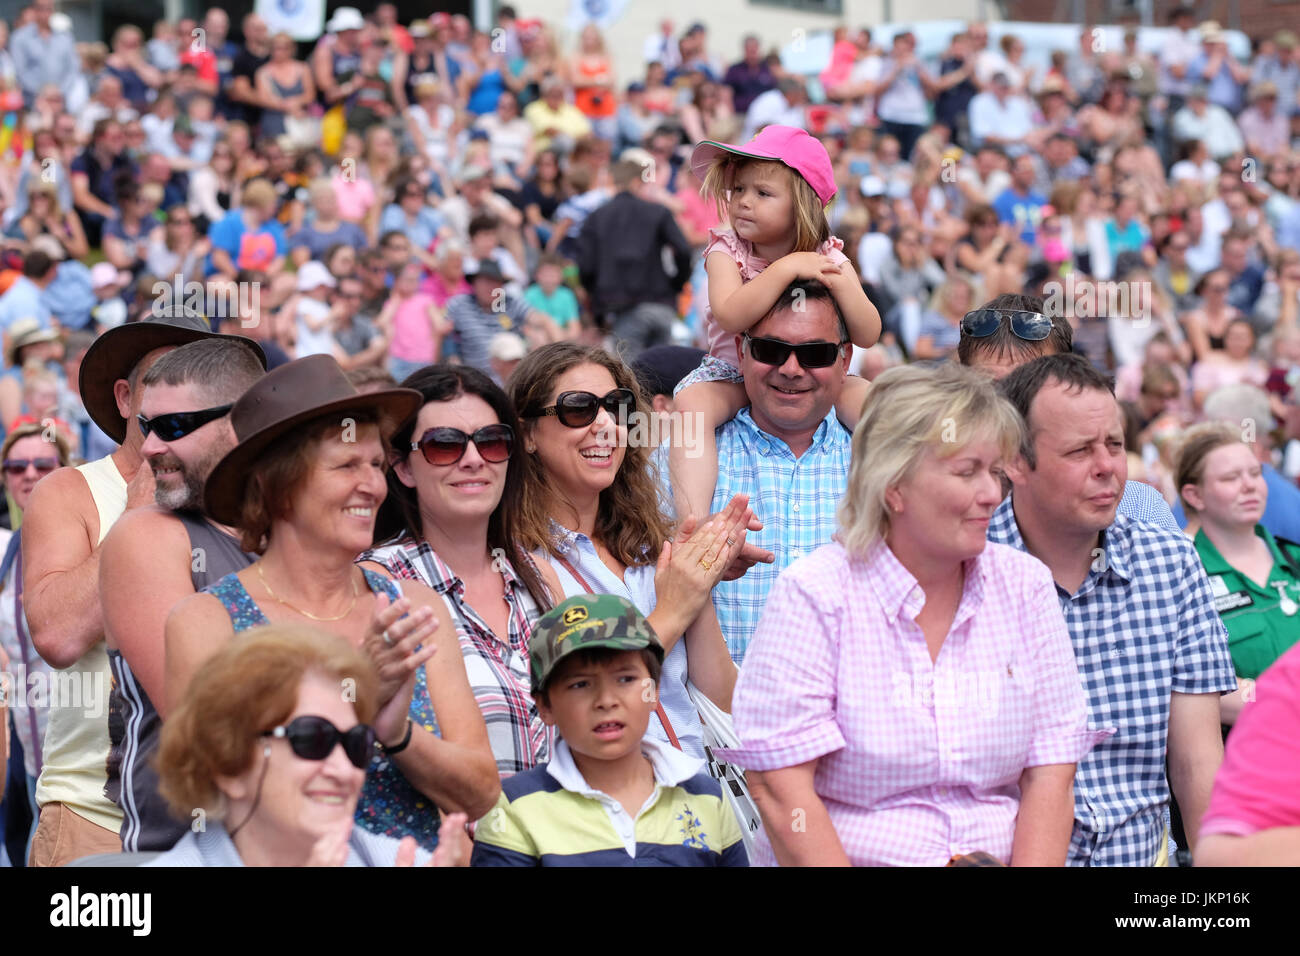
302	486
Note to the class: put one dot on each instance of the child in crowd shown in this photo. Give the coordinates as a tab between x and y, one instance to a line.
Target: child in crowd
313	330
549	294
774	191
110	309
485	243
610	795
414	322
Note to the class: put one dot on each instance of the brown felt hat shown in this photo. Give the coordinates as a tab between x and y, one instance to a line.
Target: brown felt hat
276	404
117	352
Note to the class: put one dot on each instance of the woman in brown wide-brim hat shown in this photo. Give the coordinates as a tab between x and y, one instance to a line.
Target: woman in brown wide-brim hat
303	486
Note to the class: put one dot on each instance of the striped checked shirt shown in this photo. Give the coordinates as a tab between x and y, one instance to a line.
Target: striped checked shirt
795	498
474	327
497	670
1144	627
920	760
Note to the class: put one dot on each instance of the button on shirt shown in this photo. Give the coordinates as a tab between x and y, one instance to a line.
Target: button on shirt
1143	626
795	498
920	760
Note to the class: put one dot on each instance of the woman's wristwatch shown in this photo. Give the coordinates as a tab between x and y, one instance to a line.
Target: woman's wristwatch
406	741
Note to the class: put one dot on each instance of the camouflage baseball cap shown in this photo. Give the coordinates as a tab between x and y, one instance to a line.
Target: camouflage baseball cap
583	622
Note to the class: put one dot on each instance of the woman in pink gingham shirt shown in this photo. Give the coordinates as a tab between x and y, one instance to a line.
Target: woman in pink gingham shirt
911	693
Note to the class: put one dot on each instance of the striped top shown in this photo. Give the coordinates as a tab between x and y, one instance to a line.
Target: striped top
549	816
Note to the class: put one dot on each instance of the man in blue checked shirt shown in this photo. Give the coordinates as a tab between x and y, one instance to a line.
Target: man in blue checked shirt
1152	652
787	450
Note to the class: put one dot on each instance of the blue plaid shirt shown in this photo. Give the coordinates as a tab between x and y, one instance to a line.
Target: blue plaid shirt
1143	628
1141	502
795	498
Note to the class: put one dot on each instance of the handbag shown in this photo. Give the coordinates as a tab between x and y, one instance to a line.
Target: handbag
718	732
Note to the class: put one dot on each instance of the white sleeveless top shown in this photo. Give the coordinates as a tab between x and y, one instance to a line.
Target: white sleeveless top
76	741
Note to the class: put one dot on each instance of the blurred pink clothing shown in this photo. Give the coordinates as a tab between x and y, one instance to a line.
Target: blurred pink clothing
1207	376
412	331
1258	784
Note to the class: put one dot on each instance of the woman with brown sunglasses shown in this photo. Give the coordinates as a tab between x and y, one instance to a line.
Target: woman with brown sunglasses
454	493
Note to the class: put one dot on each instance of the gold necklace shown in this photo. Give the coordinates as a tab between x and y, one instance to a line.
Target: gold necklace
308	614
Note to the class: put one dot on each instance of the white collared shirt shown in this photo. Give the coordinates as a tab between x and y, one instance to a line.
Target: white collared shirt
671	768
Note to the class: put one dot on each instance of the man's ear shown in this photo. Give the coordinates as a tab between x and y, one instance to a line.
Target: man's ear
1017	469
662	403
122	396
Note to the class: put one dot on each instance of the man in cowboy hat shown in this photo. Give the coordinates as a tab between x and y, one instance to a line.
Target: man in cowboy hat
65	523
157	555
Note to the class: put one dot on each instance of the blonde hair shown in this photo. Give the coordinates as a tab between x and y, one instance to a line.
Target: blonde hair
911	410
810	226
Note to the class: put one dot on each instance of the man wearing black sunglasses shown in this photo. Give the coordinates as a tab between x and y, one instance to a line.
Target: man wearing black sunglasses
65	523
155	556
787	450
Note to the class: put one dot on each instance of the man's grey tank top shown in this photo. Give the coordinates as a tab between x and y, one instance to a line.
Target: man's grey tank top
134	725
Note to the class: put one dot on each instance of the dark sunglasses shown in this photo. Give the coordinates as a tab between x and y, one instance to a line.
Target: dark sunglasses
179	424
579	409
775	352
1030	326
446	446
314	738
19	466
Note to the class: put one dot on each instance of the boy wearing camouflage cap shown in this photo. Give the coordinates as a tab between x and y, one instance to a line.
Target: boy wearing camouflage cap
610	795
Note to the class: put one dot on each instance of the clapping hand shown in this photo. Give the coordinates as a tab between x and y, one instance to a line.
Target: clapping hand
393	644
453	849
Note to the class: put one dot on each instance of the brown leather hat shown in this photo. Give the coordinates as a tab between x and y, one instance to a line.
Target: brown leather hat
284	398
115	353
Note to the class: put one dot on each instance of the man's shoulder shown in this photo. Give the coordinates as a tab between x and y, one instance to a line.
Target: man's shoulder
153	526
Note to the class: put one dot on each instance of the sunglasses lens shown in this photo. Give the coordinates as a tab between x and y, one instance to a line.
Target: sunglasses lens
980	324
816	354
769	351
577	409
45	464
494	443
619	403
312	738
444	446
1030	326
359	744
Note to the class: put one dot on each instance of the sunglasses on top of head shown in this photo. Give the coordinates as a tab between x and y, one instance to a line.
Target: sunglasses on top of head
446	446
775	352
314	738
1030	326
179	424
579	409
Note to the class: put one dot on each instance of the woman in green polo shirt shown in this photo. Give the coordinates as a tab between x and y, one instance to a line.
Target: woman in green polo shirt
1254	576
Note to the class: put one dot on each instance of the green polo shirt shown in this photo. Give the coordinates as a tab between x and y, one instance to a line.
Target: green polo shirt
1259	632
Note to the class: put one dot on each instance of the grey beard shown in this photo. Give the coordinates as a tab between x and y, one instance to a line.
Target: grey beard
188	497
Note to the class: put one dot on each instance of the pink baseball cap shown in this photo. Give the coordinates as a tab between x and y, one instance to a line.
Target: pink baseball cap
787	144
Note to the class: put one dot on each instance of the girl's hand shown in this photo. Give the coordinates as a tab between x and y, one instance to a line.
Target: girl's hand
811	265
454	845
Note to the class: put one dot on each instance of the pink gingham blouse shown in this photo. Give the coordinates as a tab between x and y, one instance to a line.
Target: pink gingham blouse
919	760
